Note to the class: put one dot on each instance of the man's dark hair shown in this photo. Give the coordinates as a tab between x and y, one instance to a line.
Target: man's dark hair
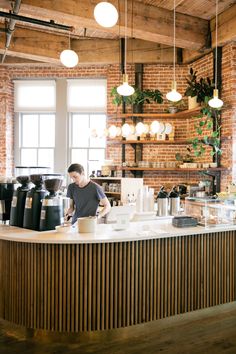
76	167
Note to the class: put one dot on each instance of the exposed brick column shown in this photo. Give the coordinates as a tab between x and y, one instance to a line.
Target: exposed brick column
6	123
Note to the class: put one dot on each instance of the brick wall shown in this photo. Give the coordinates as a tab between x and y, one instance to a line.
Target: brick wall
154	76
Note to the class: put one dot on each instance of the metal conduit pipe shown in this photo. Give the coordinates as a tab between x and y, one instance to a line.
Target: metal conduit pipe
11	27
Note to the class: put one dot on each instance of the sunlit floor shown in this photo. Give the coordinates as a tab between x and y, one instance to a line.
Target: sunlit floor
207	331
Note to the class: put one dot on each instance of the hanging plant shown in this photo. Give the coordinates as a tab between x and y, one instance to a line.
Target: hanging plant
206	134
138	97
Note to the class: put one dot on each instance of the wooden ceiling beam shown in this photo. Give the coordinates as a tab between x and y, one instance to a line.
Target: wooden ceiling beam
46	47
150	23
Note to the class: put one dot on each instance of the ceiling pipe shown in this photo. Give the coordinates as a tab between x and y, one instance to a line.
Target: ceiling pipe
11	27
14	17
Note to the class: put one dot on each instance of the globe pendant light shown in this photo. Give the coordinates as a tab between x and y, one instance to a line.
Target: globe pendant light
68	57
174	95
215	102
105	14
125	89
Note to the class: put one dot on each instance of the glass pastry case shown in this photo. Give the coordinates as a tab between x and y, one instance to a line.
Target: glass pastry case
211	211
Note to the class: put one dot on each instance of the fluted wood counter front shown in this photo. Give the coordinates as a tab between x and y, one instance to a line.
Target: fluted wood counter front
91	286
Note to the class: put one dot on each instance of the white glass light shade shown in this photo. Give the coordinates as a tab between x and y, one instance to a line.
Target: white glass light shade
168	128
173	95
140	128
155	126
215	102
105	14
125	89
112	131
125	130
162	128
69	58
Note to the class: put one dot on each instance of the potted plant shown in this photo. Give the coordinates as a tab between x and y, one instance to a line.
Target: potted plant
138	98
186	158
200	90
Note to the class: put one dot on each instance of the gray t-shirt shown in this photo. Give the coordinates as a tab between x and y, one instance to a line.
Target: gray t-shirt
86	199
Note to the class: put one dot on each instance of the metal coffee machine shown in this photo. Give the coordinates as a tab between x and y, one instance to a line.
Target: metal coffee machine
162	202
52	205
18	201
6	194
33	203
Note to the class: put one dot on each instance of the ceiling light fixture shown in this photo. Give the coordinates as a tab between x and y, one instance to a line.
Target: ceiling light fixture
125	89
215	102
68	57
174	95
105	14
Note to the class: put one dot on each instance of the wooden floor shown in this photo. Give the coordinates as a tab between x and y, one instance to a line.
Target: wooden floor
208	331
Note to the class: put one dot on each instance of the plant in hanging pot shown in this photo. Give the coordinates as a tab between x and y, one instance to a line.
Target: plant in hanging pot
138	98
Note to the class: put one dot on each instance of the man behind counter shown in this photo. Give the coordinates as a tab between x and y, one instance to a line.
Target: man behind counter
85	195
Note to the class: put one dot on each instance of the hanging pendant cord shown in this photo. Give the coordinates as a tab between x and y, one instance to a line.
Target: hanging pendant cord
125	35
174	41
216	59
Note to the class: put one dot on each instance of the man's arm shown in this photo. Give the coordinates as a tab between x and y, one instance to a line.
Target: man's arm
106	207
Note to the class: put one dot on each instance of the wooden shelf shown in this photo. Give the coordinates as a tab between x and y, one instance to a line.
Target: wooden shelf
119	141
172	169
180	114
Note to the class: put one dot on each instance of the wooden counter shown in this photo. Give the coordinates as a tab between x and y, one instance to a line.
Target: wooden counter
75	283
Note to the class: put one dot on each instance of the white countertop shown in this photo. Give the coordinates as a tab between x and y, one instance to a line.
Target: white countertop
136	231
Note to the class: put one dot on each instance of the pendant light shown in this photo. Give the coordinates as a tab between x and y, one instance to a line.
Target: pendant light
215	102
105	14
68	57
174	95
125	89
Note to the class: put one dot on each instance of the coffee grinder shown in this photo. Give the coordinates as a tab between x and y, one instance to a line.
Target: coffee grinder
6	194
18	201
33	203
52	205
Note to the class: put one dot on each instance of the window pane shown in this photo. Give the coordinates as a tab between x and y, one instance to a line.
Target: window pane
46	158
28	157
80	130
97	155
80	156
30	130
35	94
98	124
47	130
87	94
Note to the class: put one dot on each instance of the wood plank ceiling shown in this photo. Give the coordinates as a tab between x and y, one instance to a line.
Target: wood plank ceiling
149	30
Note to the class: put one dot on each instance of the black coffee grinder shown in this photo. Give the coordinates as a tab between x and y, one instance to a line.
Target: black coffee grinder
6	194
33	203
52	205
18	201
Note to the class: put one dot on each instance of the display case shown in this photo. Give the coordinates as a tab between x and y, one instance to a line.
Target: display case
212	212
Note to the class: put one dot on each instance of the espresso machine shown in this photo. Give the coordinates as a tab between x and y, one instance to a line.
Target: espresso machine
18	201
52	213
6	194
33	203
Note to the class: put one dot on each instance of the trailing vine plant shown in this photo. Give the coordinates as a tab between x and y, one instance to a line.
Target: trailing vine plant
203	89
206	134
